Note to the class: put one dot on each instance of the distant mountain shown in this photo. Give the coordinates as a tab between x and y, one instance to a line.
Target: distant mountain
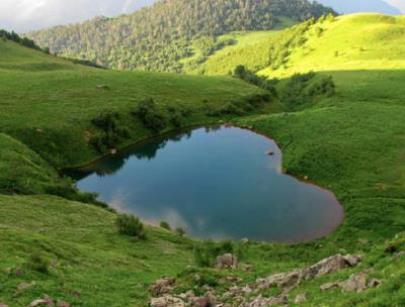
357	6
160	37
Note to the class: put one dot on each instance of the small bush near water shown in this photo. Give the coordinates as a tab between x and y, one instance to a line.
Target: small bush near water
150	115
130	225
110	133
165	225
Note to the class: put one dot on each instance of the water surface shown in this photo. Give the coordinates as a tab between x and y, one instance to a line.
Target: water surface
217	183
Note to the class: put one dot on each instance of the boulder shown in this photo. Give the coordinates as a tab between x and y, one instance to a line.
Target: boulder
227	261
162	286
3	305
167	301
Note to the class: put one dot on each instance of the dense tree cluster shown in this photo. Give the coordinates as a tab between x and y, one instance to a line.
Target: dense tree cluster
25	41
158	37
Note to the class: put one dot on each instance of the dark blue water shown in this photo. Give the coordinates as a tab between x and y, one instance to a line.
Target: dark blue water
217	183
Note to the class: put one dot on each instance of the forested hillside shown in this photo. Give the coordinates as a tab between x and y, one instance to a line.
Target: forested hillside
159	37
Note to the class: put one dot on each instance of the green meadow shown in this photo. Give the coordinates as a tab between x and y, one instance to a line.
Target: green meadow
352	143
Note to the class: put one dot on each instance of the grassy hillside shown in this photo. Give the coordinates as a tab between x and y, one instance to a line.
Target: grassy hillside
352	143
352	42
160	37
53	112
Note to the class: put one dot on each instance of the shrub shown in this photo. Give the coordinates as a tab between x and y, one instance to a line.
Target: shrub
111	133
18	39
165	225
130	225
324	86
38	263
180	231
304	88
248	76
149	114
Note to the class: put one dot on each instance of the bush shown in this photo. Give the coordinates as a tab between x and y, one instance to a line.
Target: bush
302	89
20	40
38	263
111	133
165	225
325	87
130	225
149	114
248	76
180	231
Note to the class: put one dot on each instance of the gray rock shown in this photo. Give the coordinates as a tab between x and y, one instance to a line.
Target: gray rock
46	301
264	302
227	261
330	285
167	301
162	286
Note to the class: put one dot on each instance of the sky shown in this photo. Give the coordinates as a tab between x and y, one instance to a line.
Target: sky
27	15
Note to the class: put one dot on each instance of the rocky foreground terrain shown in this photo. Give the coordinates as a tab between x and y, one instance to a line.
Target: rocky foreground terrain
253	295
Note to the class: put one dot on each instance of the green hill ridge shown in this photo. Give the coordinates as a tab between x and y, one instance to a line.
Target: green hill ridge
350	42
157	38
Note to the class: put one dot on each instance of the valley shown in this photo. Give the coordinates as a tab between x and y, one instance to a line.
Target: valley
329	91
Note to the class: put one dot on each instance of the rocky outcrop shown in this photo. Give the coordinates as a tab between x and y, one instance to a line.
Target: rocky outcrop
292	279
355	283
241	295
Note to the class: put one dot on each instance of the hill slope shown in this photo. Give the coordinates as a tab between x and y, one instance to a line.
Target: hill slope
359	41
157	37
61	99
352	143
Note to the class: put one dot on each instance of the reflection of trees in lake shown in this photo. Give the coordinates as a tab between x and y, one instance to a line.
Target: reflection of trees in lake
113	164
212	128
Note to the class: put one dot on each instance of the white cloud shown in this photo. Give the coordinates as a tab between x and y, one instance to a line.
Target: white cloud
398	3
26	15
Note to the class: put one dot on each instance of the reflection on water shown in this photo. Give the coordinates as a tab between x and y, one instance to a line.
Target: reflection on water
217	182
